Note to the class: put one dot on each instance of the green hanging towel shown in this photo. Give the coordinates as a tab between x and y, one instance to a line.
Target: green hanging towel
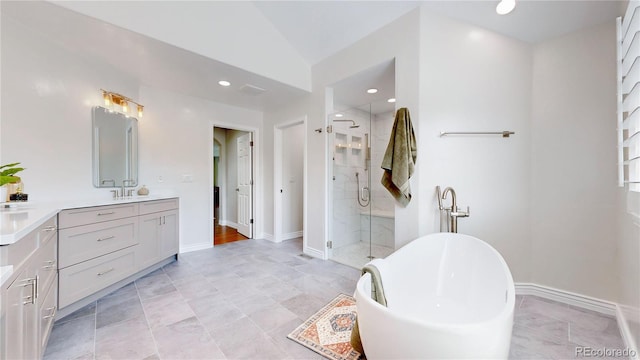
400	158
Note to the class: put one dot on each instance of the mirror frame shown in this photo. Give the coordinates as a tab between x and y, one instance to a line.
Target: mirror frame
130	159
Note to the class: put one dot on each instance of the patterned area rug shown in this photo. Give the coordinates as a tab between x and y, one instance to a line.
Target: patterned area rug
328	331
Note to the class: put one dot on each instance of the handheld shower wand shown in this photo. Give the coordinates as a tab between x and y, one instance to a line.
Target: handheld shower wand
362	198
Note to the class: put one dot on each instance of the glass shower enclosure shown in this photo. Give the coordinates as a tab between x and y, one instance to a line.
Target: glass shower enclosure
362	214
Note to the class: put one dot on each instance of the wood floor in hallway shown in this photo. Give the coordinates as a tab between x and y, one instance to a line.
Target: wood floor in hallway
226	234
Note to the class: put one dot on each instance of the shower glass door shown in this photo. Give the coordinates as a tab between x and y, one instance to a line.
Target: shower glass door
362	212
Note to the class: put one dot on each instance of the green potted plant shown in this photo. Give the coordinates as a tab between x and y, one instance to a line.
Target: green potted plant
8	176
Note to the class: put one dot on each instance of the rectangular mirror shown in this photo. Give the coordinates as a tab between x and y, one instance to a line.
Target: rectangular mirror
115	149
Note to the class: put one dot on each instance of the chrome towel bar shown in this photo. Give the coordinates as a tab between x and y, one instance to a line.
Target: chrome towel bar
505	134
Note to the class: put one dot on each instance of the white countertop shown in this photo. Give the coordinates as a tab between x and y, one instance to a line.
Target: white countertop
18	221
5	273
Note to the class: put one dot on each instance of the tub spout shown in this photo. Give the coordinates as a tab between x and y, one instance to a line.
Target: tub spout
453	211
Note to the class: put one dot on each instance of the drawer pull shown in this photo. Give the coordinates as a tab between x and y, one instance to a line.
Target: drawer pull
49	228
52	314
105	272
106	238
106	213
31	299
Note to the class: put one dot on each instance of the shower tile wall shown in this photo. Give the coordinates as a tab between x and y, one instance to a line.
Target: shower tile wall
346	210
383	207
382	125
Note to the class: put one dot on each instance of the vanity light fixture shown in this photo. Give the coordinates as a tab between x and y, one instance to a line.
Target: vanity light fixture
372	91
224	83
107	99
505	6
111	99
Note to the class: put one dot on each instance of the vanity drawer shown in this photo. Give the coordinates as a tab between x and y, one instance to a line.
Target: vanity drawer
149	207
90	215
19	252
81	280
47	267
86	242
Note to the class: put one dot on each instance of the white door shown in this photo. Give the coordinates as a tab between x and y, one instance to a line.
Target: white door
245	183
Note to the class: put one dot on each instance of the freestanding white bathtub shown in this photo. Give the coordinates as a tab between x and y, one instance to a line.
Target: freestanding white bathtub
448	296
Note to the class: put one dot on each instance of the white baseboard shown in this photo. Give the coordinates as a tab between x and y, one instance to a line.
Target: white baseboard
228	223
567	297
268	237
584	302
313	252
291	235
196	247
627	337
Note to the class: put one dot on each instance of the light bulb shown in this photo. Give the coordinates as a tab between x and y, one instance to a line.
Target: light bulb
140	110
392	100
125	106
107	100
224	83
505	6
372	91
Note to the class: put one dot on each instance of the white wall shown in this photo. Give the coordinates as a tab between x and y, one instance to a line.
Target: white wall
207	32
292	179
47	95
380	46
574	197
476	80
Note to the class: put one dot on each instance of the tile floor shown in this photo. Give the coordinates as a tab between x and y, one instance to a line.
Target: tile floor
356	254
240	300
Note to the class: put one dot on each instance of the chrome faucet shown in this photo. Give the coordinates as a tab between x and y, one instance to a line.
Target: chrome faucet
453	212
122	187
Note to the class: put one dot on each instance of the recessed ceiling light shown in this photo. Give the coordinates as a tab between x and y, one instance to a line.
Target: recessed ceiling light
505	6
392	100
372	91
224	83
338	115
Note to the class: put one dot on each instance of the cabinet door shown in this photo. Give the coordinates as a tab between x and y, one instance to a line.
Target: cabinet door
22	327
47	308
169	234
148	249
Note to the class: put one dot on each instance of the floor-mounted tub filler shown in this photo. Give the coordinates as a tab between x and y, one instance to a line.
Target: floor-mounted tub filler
448	296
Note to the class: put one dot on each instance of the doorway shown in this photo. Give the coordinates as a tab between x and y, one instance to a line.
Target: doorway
232	185
290	182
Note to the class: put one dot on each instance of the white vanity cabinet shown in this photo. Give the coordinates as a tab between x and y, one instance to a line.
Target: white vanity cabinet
103	246
28	307
96	249
158	237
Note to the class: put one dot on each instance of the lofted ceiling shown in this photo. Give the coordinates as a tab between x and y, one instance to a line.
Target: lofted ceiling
316	29
319	29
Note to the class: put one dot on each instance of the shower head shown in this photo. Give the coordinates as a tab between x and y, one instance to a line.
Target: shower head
353	123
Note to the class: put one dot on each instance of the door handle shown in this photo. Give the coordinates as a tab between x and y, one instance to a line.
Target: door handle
238	189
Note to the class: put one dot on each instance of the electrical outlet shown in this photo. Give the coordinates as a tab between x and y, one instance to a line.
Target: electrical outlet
160	179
